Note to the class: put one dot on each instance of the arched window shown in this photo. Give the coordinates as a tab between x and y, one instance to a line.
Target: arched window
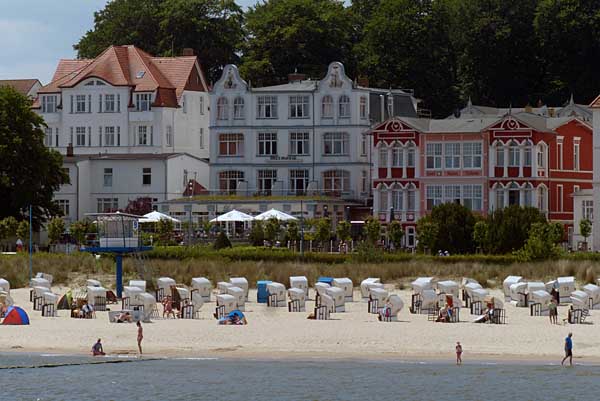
514	194
383	199
222	109
410	157
344	107
398	156
528	195
411	204
514	154
499	192
527	154
327	107
542	198
541	156
397	198
336	182
499	154
238	108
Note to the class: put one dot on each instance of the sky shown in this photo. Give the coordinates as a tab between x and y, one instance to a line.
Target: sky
35	34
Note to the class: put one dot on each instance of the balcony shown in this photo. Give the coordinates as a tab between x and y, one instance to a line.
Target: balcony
141	116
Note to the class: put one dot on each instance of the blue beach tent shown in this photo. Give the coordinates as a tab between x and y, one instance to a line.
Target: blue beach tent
16	316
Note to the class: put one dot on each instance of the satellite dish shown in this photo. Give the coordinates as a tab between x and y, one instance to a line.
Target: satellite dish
457	113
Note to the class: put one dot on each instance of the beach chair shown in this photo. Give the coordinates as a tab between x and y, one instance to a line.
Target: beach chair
579	310
565	286
468	292
300	282
328	303
96	297
447	287
49	301
476	300
242	283
533	286
276	295
297	302
319	289
396	305
222	286
339	299
129	298
508	281
90	282
141	284
4	285
181	297
240	297
203	287
423	302
346	285
225	304
48	277
539	301
593	292
38	297
367	284
163	288
377	300
262	295
322	312
146	303
518	294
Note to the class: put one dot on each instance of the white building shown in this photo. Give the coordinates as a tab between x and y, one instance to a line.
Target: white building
583	208
129	115
303	137
26	87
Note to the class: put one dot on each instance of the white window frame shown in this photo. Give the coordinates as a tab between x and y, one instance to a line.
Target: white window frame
434	156
327	106
266	107
109	136
472	155
49	103
452	155
299	176
587	210
266	179
267	144
229	139
146	176
299	106
80	134
434	196
142	101
336	144
336	181
238	108
344	109
363	108
299	143
222	109
107	181
142	135
80	104
576	159
109	103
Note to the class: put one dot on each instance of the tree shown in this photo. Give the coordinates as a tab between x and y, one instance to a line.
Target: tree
30	172
569	69
257	233
509	228
293	233
541	243
323	230
395	233
585	229
372	230
272	230
23	231
8	227
343	230
56	228
139	206
78	229
164	230
407	44
480	234
455	228
427	233
213	28
288	35
498	54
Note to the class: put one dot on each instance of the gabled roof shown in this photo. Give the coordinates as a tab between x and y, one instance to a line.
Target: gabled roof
23	86
132	67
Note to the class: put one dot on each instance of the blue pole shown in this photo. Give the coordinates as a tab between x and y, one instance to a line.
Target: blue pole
119	275
30	244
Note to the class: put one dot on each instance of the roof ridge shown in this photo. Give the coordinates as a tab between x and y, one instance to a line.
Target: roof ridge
141	54
125	73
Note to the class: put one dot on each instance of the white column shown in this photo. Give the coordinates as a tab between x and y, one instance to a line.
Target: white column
506	197
405	160
534	198
505	153
492	159
534	169
376	203
521	160
521	197
390	203
389	163
404	203
596	180
376	163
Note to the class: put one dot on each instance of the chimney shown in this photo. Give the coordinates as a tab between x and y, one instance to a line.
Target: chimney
70	150
363	81
187	51
296	77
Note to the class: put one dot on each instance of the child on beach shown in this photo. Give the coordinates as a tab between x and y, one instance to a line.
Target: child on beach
458	353
97	349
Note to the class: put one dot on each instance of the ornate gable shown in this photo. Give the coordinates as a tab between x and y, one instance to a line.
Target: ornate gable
230	80
336	77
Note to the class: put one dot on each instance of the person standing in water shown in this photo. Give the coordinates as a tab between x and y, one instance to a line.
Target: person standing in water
140	336
568	350
458	353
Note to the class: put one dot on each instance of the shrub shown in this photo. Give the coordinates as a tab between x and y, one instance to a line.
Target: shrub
222	241
257	235
395	233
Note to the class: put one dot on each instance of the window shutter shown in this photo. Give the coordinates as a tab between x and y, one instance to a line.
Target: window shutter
151	135
100	135
99	103
89	103
118	103
90	133
56	132
71	137
118	136
71	107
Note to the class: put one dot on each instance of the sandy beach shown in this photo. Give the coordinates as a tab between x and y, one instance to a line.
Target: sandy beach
277	333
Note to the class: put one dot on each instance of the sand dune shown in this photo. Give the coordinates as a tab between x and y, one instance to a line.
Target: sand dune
274	332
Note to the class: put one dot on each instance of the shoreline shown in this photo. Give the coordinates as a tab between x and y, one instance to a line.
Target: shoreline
287	356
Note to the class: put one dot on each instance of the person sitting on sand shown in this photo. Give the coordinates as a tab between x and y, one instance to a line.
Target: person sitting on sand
123	317
443	315
86	311
385	312
168	307
97	349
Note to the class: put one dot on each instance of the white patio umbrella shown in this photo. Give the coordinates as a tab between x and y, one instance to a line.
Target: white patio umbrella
154	217
232	216
274	213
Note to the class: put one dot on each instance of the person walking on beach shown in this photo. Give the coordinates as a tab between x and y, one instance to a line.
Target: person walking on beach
458	353
140	336
568	350
553	312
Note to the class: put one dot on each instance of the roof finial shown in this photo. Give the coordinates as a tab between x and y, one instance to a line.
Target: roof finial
571	101
510	108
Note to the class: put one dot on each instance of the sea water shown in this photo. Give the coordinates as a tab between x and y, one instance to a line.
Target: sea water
83	378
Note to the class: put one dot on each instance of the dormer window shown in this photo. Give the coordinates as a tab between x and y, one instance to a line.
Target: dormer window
238	108
49	104
142	101
91	83
344	106
327	107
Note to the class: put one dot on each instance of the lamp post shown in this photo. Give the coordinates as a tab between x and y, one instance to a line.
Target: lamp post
191	192
30	242
301	228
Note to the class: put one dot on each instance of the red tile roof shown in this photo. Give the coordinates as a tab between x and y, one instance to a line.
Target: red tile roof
23	86
123	66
